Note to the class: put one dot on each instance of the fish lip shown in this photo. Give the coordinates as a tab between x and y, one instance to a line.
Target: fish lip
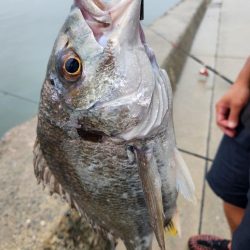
92	11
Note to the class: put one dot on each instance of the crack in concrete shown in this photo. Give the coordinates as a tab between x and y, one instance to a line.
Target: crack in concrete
210	121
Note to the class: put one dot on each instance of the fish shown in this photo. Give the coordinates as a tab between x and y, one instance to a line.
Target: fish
105	134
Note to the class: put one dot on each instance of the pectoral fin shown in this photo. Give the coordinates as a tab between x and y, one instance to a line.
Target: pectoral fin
151	183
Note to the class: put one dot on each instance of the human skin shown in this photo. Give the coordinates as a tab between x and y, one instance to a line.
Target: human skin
228	108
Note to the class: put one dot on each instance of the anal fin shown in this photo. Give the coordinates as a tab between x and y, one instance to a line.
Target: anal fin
173	227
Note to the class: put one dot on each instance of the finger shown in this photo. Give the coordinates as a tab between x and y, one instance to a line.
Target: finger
233	118
222	118
222	124
221	113
229	132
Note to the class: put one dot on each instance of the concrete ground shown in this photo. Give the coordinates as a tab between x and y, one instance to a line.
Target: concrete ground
221	42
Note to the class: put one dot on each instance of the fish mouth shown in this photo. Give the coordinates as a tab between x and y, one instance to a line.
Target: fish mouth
94	11
102	16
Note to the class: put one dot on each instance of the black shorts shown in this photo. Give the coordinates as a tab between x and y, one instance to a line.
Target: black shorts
229	178
229	174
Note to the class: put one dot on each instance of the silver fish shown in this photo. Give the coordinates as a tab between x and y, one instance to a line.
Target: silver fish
105	136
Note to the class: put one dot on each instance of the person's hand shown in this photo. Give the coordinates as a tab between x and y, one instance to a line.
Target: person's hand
229	107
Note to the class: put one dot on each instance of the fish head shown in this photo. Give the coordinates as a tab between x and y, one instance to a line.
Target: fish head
99	74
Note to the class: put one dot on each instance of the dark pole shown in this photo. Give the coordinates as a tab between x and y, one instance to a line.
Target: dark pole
142	10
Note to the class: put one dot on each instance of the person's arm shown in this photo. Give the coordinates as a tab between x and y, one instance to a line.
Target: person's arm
231	104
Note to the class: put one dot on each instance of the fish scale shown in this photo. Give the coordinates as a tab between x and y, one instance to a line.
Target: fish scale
104	188
105	136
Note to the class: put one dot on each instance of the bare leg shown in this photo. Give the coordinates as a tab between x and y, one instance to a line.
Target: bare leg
234	215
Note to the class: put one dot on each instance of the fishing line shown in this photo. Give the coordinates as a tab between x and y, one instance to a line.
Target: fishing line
196	155
18	97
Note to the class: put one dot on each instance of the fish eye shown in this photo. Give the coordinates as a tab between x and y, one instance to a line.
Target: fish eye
71	66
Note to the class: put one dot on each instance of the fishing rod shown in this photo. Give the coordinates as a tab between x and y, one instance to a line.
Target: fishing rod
216	72
187	53
195	58
208	67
